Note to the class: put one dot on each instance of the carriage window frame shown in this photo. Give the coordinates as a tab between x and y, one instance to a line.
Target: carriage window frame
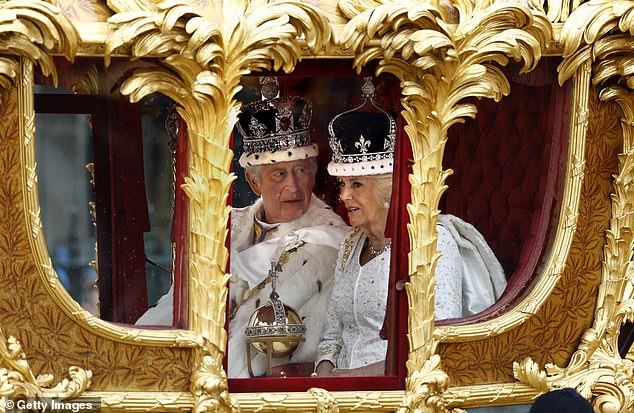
305	72
105	191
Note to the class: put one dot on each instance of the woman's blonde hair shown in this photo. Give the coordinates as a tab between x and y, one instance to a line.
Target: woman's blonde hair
382	188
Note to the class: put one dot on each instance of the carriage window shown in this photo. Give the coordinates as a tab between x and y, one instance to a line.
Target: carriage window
329	273
106	173
283	145
492	270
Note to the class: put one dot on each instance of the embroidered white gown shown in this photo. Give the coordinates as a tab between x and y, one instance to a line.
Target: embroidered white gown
358	301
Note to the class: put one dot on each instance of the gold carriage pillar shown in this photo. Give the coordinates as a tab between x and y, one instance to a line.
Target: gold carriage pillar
441	55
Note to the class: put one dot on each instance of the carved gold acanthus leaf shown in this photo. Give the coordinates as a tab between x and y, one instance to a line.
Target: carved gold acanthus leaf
597	33
207	50
33	30
17	379
209	385
596	369
441	55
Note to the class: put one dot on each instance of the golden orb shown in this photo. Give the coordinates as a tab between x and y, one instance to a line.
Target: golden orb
277	324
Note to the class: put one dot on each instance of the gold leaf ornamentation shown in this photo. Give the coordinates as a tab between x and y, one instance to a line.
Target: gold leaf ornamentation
567	311
17	379
596	369
325	402
599	31
38	310
209	386
441	55
596	33
33	30
207	50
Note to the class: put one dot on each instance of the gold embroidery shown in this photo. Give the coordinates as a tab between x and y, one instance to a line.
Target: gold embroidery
281	261
347	247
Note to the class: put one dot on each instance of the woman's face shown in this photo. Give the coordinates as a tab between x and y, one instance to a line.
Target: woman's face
364	210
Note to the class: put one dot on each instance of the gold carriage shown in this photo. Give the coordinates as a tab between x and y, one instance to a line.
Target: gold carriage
528	102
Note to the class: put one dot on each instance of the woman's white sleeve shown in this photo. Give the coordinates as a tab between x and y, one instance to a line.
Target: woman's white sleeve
448	296
330	343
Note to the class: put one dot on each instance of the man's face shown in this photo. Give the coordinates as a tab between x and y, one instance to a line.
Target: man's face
286	188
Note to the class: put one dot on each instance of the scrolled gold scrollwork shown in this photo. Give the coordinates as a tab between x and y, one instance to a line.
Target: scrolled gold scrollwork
441	56
326	403
597	33
18	380
33	30
206	50
425	388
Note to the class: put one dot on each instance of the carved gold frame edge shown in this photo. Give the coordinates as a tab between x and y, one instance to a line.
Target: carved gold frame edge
42	259
566	227
359	401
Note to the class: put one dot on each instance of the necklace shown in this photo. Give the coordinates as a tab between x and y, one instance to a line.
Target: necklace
374	252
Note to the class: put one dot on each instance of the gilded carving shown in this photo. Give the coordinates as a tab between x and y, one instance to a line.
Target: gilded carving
141	402
441	55
33	30
596	369
597	33
325	402
554	267
552	333
52	333
208	47
83	10
314	398
18	380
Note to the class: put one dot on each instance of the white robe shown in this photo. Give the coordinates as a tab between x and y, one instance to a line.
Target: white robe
468	279
304	284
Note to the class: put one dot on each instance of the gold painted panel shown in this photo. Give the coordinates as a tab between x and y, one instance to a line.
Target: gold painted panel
52	340
554	332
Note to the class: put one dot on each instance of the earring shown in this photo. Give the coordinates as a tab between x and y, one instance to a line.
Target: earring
386	205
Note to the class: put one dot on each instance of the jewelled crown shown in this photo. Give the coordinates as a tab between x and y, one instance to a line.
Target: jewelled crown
362	139
276	130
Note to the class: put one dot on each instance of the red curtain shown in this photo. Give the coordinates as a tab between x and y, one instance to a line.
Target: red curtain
130	219
180	229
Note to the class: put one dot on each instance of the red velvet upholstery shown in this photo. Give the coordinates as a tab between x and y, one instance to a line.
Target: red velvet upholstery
506	163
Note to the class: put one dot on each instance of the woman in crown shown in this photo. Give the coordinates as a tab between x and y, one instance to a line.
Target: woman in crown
468	276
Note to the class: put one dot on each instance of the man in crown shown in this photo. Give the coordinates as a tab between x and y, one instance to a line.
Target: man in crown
287	226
